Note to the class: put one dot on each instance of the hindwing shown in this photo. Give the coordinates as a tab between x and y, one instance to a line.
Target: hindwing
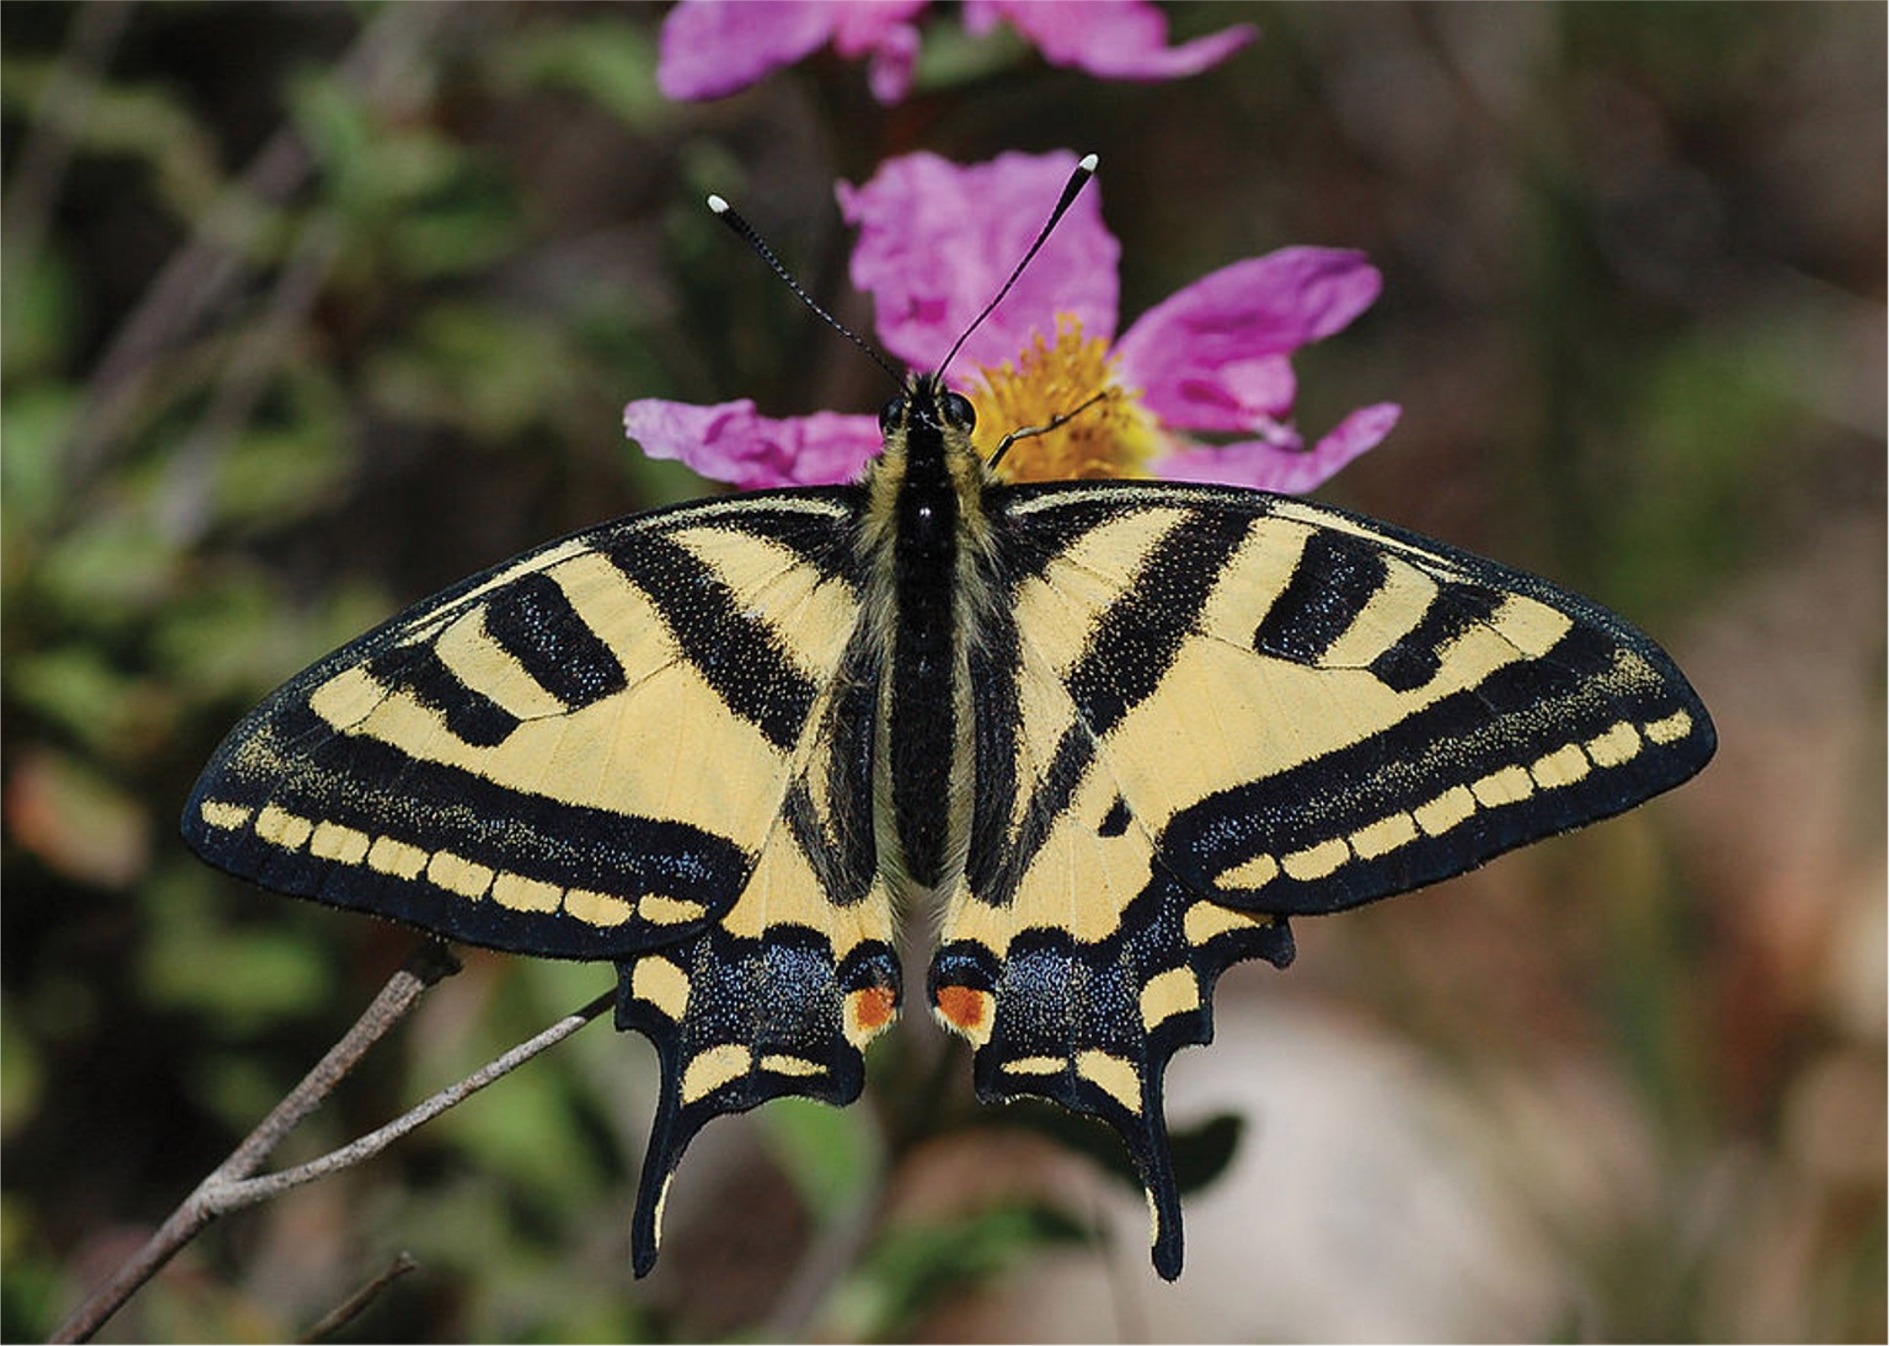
1202	711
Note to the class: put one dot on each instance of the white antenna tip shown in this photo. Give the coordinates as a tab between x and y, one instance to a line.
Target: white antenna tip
720	207
1088	163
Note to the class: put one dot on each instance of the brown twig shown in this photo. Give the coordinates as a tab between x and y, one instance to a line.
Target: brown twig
231	1186
350	1308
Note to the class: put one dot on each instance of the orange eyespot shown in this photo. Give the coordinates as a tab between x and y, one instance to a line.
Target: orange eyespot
873	1008
962	1007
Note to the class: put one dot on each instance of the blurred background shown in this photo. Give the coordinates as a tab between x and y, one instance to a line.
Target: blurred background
313	308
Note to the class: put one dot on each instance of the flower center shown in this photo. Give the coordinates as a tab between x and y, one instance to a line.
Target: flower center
1112	437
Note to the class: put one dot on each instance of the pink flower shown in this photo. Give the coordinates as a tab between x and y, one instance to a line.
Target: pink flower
937	240
714	47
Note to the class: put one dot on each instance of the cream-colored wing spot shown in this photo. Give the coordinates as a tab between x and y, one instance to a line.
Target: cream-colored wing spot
282	828
599	909
1444	811
1113	1075
1669	729
1617	744
782	1064
1316	861
712	1069
1531	627
1037	1065
398	858
1384	836
1565	766
1166	994
1507	785
668	910
1205	920
457	874
332	841
659	982
523	894
347	698
223	815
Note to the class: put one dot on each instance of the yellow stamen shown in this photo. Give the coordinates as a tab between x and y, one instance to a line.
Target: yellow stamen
1115	437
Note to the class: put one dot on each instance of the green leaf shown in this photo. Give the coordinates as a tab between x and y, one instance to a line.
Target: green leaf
21	1075
462	228
525	1127
952	57
76	688
913	1268
490	374
276	475
832	1155
116	565
334	125
243	977
231	635
34	422
603	58
38	311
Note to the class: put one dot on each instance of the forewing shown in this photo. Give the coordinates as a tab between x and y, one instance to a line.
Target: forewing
1209	710
576	754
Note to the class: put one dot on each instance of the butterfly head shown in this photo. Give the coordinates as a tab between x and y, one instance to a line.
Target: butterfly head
927	428
927	406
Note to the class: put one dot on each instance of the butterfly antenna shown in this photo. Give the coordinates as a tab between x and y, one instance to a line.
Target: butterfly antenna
1085	170
727	214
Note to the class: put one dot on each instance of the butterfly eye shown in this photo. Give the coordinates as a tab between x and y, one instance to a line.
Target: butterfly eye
958	412
892	414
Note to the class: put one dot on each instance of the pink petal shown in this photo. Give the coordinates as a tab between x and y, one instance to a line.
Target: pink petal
1281	466
1240	396
1199	356
730	442
861	26
1115	39
937	240
889	72
711	48
882	31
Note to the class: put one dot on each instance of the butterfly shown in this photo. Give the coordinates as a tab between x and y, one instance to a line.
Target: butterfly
1114	736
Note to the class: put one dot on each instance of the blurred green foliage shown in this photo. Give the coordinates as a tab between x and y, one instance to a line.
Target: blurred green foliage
307	311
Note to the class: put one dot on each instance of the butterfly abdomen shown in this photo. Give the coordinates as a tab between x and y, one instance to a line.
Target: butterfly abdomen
924	707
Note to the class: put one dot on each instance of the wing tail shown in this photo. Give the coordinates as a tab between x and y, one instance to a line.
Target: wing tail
1093	1025
737	1021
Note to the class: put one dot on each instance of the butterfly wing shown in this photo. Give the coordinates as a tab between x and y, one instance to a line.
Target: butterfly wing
636	744
1209	710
